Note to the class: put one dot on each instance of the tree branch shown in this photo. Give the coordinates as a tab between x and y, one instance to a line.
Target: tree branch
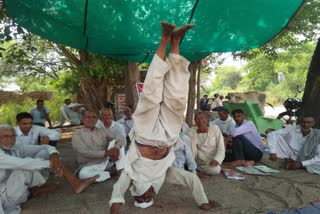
71	57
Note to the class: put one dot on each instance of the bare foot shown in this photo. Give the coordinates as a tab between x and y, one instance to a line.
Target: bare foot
178	33
83	184
249	163
210	205
43	190
273	157
167	29
235	163
202	175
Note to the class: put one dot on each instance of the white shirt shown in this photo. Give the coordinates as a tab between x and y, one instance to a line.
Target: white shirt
217	102
115	127
295	139
34	133
127	124
64	113
21	158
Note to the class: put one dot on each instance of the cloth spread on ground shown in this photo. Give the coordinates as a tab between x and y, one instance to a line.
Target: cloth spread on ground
255	194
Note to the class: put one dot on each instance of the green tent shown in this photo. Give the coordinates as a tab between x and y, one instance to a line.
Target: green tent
130	29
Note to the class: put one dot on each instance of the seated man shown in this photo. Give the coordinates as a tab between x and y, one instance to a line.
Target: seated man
28	133
247	147
95	153
224	122
157	123
299	144
108	123
127	121
75	112
184	158
24	170
203	103
63	112
40	114
207	146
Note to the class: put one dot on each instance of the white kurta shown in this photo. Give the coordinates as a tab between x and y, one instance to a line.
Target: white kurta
21	170
207	147
34	134
91	145
116	128
287	143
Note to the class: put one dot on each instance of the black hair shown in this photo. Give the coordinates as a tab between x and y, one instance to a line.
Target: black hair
237	111
39	101
23	115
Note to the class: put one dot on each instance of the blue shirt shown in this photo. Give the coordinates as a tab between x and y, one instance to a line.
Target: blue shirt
39	116
225	126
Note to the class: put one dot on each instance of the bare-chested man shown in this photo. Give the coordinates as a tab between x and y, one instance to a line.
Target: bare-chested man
157	123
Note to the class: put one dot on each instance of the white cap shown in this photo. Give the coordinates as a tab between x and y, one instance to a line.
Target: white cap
144	204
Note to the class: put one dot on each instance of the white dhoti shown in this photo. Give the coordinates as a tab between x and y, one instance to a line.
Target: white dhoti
100	169
157	122
280	146
16	190
159	114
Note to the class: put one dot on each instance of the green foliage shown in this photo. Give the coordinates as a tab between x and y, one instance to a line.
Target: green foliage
260	72
105	67
227	78
32	57
54	105
9	111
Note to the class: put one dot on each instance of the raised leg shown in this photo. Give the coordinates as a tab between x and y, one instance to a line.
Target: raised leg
177	35
167	29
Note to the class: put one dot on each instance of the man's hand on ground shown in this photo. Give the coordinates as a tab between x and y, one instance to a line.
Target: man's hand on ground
294	165
214	163
44	140
113	154
273	157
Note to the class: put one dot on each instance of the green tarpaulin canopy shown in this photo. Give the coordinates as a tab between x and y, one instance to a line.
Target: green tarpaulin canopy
130	29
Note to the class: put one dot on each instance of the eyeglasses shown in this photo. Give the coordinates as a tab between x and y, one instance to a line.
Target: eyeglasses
90	117
7	136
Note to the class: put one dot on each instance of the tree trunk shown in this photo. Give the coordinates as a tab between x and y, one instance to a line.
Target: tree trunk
94	92
192	93
311	96
198	84
132	75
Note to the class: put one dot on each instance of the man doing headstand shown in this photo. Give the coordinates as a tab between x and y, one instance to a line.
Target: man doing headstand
157	122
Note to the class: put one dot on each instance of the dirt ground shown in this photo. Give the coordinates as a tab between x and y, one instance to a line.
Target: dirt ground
254	194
